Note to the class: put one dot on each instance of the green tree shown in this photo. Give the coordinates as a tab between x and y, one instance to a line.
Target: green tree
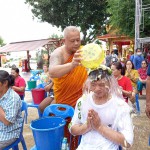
1	42
55	36
123	17
89	15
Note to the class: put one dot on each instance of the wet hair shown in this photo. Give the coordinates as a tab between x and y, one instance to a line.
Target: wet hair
4	76
107	78
16	70
99	74
119	66
131	63
70	28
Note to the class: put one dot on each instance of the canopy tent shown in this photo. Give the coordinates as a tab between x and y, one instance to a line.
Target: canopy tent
28	45
144	40
31	45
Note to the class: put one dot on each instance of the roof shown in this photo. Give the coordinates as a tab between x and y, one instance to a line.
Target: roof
2	55
144	40
110	36
26	45
122	39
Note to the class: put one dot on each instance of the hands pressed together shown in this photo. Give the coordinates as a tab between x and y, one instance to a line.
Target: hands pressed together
93	120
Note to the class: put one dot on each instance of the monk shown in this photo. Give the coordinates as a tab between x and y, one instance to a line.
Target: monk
66	70
67	73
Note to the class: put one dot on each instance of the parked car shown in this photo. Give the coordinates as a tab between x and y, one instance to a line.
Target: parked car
10	65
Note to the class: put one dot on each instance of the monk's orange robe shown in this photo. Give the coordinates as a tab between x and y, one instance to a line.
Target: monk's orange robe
68	88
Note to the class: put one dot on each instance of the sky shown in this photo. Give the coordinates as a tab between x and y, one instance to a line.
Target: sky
17	24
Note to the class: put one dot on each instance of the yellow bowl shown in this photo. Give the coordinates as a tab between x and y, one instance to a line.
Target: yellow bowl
92	56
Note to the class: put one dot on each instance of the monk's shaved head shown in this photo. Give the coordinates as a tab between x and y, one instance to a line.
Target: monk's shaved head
70	29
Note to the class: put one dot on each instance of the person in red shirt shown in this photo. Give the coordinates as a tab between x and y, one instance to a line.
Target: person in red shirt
123	81
20	83
142	76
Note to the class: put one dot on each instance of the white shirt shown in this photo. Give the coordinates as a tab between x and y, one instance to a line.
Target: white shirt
115	114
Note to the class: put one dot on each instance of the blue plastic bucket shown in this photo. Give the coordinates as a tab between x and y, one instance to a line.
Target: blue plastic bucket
48	133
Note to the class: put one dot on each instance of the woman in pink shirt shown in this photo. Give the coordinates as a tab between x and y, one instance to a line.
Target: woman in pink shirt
20	83
142	76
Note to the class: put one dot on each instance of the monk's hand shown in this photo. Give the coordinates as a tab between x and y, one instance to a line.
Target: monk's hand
95	120
147	110
76	61
46	88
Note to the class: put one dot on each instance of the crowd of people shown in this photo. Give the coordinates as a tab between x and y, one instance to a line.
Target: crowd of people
131	74
100	96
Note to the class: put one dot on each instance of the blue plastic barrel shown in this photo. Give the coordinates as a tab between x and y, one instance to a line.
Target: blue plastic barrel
48	133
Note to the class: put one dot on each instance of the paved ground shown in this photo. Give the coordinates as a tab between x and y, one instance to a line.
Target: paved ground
141	123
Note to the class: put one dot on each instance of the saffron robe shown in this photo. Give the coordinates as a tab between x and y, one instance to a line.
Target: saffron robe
68	88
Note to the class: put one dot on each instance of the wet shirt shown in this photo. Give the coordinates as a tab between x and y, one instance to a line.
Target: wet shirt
114	114
11	104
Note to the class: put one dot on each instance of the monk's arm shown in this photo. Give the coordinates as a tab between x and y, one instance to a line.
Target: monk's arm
58	69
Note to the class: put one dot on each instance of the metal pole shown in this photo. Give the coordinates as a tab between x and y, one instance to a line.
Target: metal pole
137	24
